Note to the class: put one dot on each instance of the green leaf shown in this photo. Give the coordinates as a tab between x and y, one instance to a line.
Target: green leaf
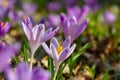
16	59
80	51
50	66
106	75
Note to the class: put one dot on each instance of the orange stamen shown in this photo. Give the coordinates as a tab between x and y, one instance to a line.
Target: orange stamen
59	49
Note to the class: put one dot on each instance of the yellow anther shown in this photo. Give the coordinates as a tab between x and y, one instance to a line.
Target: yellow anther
59	49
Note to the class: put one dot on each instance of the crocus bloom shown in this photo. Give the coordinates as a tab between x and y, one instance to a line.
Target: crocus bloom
4	27
22	72
59	52
29	9
93	4
37	34
5	6
80	14
6	53
109	17
54	20
71	27
53	6
70	2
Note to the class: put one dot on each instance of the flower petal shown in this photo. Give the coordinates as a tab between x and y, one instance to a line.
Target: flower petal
47	37
48	31
63	54
47	49
80	29
67	42
40	74
27	31
37	30
23	71
54	52
66	53
54	42
28	23
6	27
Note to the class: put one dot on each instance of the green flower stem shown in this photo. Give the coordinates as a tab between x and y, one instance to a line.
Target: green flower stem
31	61
55	73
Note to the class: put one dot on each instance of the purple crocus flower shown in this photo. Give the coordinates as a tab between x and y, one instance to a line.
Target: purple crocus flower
80	14
70	2
6	53
59	52
4	28
22	72
5	6
71	27
29	9
53	6
37	34
54	20
93	4
40	74
109	17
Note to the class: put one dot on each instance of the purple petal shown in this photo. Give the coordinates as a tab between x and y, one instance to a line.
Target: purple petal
6	53
10	75
37	30
48	31
54	42
80	29
36	43
47	49
66	53
74	11
54	19
28	23
27	31
23	71
67	42
71	50
65	25
6	27
72	25
63	54
50	35
109	17
54	52
40	74
63	17
83	14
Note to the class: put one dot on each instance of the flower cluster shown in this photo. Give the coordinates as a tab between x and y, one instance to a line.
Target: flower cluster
73	24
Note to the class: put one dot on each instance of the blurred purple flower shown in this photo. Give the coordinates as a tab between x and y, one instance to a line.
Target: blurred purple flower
36	35
109	17
59	52
70	2
22	72
53	6
6	53
71	27
4	27
13	16
80	14
29	8
54	20
5	6
40	74
93	4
